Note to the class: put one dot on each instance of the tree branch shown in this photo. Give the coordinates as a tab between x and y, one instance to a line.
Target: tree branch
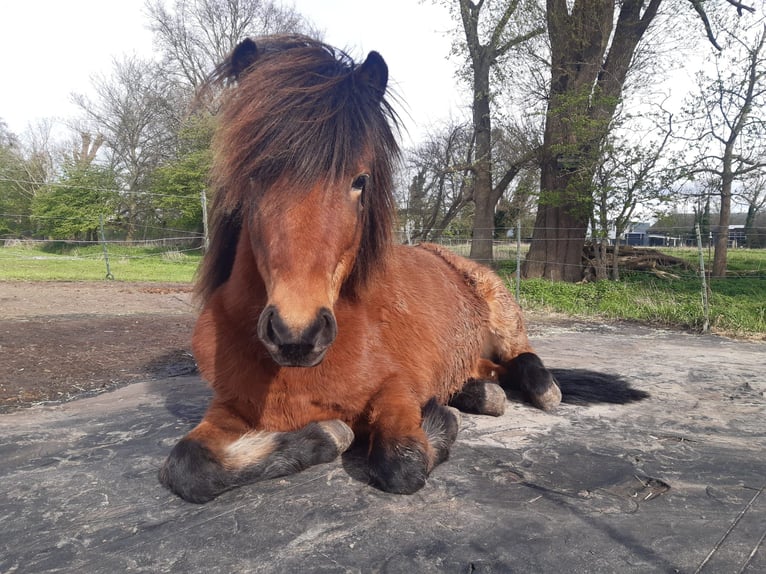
739	6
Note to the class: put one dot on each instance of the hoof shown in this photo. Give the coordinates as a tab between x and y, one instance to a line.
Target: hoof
548	400
480	397
399	468
339	432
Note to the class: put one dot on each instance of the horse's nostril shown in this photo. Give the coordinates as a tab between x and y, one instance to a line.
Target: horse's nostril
329	329
267	329
270	333
291	347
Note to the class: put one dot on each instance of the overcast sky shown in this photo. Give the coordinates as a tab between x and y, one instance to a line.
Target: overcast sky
51	48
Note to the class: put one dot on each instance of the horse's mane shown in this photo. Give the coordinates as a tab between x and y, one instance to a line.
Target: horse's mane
296	112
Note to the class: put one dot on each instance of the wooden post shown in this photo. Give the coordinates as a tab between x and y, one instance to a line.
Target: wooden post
103	245
705	304
206	240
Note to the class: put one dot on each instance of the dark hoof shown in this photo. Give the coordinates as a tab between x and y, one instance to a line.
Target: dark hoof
400	468
528	374
480	397
440	424
192	472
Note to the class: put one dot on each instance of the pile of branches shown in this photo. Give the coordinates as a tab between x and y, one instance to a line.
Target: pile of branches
631	258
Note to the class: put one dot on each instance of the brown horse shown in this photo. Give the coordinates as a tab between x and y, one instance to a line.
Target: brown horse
315	326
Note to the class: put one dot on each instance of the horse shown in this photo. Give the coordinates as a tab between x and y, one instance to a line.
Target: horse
316	328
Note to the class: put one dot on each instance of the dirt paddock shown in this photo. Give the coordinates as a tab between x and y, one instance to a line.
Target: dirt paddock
97	384
61	340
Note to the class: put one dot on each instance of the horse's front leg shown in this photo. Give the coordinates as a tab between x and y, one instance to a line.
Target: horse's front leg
407	441
222	453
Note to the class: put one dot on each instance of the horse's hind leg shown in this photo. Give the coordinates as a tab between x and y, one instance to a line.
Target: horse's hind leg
527	373
506	338
406	444
522	369
214	458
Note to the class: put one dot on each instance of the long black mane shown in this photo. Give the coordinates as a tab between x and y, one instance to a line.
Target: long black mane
296	111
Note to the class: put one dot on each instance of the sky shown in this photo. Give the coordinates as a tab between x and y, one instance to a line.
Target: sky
50	49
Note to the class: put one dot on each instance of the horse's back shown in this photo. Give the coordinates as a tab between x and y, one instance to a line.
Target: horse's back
505	319
427	320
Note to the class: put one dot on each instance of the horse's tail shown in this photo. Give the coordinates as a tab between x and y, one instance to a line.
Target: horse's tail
585	387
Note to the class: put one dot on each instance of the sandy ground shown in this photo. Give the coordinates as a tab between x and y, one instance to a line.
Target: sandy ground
674	483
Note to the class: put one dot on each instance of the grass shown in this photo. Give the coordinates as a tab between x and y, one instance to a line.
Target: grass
737	303
64	262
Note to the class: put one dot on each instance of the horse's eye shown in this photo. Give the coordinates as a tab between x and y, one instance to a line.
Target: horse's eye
361	181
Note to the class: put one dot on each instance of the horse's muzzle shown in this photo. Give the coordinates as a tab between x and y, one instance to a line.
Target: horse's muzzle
290	349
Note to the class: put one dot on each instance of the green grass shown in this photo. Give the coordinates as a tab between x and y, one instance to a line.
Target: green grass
64	262
737	303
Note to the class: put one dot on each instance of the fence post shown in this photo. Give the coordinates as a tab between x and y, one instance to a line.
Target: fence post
705	304
206	241
518	260
103	244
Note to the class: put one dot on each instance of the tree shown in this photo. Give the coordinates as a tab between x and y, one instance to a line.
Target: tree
73	207
730	106
25	167
442	179
196	35
627	175
15	201
137	111
492	31
754	195
178	183
440	184
593	44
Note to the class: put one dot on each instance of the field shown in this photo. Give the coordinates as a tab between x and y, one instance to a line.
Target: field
62	261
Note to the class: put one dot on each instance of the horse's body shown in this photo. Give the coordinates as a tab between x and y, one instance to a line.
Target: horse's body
419	333
315	327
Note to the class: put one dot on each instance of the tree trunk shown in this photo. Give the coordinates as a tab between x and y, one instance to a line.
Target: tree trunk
484	214
751	234
588	71
722	241
562	216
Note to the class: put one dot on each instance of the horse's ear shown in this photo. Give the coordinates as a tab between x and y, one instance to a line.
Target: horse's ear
241	58
374	73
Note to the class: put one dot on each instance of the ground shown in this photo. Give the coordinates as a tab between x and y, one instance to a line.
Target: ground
674	483
65	339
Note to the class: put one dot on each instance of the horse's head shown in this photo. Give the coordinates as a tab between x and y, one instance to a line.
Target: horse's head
305	147
305	247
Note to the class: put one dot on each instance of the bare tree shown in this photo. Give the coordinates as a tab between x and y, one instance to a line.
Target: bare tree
440	185
753	193
730	108
628	174
136	112
492	30
193	36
